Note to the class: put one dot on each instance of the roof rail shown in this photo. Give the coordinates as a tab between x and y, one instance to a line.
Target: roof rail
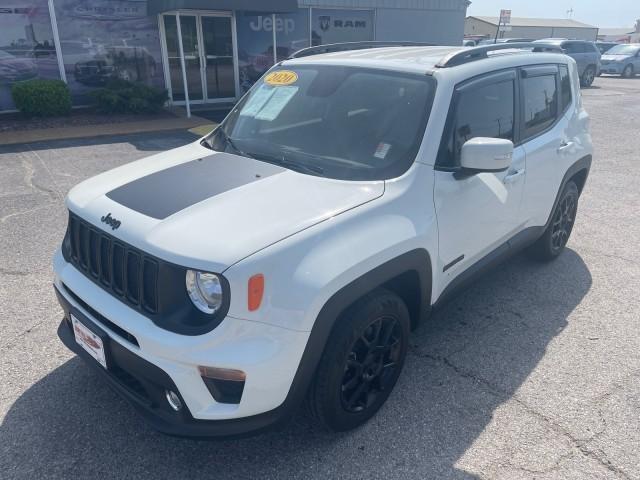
478	53
343	47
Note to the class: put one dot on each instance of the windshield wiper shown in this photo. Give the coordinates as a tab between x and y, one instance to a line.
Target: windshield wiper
290	164
229	141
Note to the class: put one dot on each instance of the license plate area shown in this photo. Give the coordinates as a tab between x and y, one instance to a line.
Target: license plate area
90	341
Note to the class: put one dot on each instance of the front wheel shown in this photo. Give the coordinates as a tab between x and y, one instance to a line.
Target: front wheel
588	76
555	237
628	71
361	363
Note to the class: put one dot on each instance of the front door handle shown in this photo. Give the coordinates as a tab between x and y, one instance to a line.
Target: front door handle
512	176
565	147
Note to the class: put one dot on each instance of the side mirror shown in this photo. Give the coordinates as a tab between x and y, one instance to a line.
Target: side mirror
483	154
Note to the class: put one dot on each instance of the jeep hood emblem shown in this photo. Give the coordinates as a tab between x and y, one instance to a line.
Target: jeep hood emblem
109	220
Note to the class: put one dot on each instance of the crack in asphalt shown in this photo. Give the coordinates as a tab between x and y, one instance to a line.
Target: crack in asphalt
578	444
12	341
24	212
30	173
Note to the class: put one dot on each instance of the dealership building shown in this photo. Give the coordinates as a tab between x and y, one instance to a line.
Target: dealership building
201	51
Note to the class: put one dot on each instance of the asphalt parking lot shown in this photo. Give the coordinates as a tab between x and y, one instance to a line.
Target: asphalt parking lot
533	372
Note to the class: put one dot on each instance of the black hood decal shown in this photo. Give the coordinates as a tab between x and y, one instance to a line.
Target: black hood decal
168	191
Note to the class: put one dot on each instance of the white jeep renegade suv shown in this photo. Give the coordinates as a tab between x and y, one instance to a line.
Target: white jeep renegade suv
288	254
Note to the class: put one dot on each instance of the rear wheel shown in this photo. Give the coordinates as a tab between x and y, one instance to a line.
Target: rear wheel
361	363
588	76
555	237
628	72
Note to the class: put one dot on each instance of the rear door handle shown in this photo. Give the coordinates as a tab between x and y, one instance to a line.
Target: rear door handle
512	176
565	147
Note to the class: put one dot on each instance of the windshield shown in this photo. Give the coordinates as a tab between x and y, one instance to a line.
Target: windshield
333	121
623	50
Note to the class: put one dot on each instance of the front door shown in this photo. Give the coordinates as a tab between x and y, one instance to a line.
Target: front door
207	45
478	212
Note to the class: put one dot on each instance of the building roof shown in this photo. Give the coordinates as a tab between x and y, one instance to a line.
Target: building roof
616	31
537	22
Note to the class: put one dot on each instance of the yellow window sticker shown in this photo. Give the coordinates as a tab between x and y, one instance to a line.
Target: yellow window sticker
281	77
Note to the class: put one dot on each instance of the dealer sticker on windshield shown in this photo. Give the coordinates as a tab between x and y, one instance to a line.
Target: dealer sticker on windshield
281	77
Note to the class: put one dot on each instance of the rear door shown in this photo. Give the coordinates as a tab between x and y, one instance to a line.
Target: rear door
477	213
548	103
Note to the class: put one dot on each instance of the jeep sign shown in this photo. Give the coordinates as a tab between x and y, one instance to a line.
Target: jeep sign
265	23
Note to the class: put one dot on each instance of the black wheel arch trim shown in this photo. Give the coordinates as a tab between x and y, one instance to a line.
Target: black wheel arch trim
417	260
581	165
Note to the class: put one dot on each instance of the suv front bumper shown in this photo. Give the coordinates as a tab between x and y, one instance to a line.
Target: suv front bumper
270	357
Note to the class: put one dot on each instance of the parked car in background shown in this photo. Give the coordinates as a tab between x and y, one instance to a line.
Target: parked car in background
585	53
622	60
469	43
605	46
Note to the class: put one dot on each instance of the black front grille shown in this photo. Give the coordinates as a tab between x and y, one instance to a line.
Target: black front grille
125	271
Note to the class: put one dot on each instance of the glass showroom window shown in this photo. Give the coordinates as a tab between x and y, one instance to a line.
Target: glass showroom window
335	26
27	48
255	47
106	40
292	32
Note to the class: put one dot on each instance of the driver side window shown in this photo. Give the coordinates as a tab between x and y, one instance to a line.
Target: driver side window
485	111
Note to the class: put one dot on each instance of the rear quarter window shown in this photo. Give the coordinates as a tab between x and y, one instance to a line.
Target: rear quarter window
540	104
565	87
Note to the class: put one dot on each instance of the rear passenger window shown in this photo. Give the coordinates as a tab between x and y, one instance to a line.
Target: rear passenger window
486	111
565	87
540	104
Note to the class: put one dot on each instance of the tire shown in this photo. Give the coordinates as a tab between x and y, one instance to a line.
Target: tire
628	72
555	237
361	363
588	76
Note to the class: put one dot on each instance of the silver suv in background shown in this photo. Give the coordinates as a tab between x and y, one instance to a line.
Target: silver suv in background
622	60
585	53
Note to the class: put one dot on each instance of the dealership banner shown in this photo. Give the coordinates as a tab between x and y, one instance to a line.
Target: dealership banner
106	39
26	45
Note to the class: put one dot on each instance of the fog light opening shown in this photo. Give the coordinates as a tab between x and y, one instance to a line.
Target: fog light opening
173	400
225	385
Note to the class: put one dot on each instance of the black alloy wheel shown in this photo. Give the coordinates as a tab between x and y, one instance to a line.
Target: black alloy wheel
557	233
371	364
362	361
563	220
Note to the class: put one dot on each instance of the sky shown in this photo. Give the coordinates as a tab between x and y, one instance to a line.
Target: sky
600	13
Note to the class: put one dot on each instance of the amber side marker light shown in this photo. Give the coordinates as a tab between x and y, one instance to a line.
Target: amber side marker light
255	292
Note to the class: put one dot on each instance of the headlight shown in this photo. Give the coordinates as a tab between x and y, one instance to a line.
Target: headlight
205	290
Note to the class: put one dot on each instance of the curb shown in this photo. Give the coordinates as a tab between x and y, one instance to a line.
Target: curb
196	125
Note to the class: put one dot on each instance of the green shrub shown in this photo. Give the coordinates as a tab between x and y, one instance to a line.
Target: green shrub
120	96
42	98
